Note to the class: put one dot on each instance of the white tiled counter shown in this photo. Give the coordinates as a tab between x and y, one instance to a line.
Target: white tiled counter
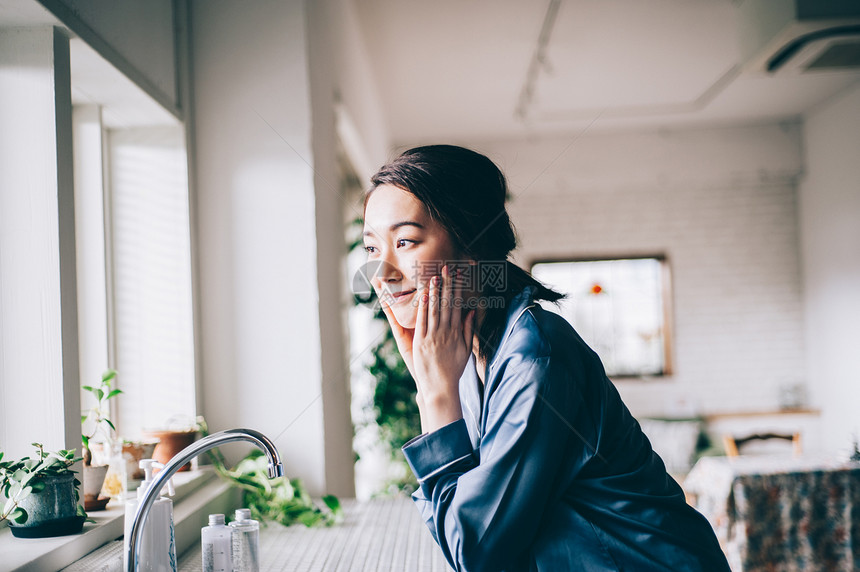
378	535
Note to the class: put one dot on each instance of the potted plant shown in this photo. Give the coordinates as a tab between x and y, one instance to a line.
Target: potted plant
41	494
177	433
94	474
123	457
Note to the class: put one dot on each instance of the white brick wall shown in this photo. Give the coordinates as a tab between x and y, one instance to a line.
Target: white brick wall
721	205
830	229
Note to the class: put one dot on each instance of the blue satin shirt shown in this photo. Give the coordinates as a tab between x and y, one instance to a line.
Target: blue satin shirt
548	470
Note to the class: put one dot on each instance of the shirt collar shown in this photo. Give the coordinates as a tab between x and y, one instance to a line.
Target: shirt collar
516	307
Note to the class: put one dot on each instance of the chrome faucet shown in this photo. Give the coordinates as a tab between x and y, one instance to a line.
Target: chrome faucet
276	469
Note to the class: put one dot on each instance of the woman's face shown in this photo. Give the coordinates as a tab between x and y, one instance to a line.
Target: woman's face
405	248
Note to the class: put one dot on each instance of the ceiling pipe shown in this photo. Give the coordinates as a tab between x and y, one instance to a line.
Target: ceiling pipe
538	61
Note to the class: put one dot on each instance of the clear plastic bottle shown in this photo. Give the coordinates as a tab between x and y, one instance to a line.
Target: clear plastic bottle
246	542
115	484
217	545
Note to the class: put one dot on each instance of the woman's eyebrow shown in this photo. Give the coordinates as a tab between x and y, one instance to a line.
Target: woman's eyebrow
397	225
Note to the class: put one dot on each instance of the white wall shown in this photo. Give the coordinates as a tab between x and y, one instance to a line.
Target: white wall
260	329
721	205
830	239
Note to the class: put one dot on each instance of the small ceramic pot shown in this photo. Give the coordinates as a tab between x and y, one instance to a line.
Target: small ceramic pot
170	443
94	478
51	511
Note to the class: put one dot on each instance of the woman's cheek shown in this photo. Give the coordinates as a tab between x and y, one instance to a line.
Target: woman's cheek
420	271
406	314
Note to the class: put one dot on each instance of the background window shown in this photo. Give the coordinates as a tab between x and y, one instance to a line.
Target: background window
619	306
150	266
134	270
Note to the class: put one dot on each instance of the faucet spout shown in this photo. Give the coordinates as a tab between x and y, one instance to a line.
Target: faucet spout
276	469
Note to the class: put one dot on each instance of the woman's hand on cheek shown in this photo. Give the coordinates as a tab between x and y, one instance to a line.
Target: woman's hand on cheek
440	350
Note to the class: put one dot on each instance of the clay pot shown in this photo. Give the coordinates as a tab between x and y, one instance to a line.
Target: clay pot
133	452
170	443
94	478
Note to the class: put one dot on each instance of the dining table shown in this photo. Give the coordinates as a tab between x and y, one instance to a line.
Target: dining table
775	513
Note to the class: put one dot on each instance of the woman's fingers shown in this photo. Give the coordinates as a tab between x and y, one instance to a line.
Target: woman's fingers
433	317
421	316
456	305
446	300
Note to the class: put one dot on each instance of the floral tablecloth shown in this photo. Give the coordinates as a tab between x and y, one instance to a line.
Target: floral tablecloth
781	514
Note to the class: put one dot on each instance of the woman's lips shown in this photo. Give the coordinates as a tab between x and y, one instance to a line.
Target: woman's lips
398	296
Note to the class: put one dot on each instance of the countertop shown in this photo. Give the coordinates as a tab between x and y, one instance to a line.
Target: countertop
377	535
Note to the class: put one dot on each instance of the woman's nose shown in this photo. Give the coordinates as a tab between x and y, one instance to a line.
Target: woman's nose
389	272
386	272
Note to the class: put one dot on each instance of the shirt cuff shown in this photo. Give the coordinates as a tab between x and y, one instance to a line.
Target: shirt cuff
432	454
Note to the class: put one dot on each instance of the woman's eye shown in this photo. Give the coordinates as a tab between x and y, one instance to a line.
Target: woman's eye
370	249
401	242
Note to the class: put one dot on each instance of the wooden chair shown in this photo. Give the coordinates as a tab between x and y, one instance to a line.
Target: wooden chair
733	444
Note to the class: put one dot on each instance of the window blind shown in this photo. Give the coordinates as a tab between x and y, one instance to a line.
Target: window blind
150	263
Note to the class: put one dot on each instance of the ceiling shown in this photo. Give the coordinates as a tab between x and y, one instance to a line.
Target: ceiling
94	80
465	70
23	13
486	69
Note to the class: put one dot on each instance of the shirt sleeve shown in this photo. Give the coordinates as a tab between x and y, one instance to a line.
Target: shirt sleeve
485	507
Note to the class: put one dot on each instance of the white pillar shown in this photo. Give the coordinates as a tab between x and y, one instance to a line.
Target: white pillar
39	385
90	242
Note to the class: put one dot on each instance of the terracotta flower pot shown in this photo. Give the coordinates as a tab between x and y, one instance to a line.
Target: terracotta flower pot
133	452
170	443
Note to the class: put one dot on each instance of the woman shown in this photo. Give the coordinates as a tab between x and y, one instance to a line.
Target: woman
528	459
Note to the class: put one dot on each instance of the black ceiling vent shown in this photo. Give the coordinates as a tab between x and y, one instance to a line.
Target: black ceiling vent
830	49
838	55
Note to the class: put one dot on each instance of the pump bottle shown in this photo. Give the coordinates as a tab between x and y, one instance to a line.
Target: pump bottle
158	545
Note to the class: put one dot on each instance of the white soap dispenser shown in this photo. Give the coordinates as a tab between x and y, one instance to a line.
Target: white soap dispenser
158	546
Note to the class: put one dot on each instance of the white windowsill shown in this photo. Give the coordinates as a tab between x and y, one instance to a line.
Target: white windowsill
197	493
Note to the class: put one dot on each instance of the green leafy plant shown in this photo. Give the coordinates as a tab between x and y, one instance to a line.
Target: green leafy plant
19	479
98	413
279	500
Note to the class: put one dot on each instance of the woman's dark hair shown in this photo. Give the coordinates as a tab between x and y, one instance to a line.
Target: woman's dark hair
465	192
